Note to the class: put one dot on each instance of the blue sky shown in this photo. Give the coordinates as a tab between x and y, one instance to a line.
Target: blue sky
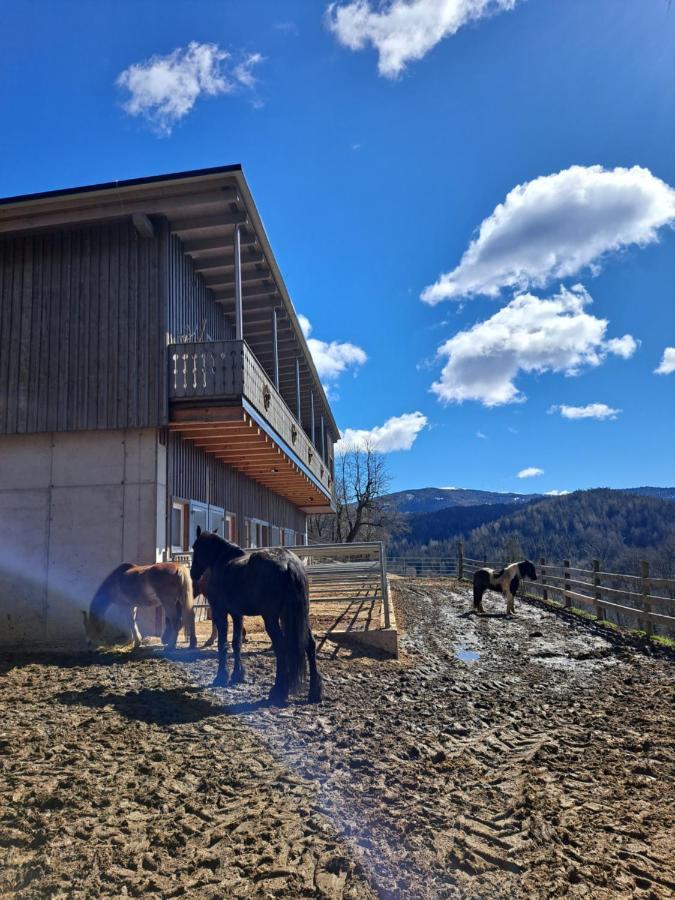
373	182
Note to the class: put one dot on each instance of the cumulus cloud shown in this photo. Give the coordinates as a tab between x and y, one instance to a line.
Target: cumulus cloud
404	31
331	358
397	433
531	472
163	89
529	334
590	411
556	493
556	226
667	364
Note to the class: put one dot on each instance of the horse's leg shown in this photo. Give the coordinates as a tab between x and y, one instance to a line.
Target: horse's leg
238	672
214	631
220	621
315	682
135	633
510	606
279	692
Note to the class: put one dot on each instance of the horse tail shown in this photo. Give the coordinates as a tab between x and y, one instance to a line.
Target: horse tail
185	599
295	625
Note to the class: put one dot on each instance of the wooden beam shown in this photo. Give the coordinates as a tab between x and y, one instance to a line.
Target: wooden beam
197	247
200	223
219	282
208	414
252	294
227	261
143	225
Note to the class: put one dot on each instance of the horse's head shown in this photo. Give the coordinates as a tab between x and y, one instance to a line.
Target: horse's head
204	554
527	570
209	549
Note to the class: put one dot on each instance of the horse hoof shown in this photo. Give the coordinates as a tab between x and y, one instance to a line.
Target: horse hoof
315	692
208	643
238	677
220	681
278	697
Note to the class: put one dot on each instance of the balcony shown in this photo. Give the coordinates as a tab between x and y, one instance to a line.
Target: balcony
223	400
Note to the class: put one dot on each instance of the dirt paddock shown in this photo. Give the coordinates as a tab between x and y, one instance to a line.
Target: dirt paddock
497	758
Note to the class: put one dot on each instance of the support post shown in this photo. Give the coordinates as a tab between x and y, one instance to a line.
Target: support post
238	303
311	397
460	560
385	587
544	589
323	441
298	409
567	576
646	605
599	612
275	348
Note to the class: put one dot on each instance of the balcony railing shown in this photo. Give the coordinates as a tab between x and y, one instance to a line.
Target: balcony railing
229	371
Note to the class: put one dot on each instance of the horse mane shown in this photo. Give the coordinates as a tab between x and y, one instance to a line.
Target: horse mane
225	550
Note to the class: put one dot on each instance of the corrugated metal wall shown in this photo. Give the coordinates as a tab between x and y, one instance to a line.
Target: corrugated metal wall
193	313
82	330
196	475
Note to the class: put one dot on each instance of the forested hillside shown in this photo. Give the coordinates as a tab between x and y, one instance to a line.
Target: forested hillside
618	527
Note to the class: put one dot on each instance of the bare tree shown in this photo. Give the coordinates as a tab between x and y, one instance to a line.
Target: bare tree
361	480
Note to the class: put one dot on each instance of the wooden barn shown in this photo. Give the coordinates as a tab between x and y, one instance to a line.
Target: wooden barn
153	377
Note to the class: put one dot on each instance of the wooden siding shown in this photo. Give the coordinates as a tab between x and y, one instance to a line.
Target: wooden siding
83	329
194	314
195	475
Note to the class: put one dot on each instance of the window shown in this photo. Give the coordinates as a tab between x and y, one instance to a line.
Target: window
249	533
263	535
179	515
275	538
289	537
231	527
217	521
300	539
199	515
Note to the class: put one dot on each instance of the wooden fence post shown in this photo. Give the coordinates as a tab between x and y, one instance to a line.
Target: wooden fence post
599	611
644	585
460	560
542	563
566	576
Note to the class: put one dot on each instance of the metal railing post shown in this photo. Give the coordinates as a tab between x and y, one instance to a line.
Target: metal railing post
297	390
460	560
275	348
238	302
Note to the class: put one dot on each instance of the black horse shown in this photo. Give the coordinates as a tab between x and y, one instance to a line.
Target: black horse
267	583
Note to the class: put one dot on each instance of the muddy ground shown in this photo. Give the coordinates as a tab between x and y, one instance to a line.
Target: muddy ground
497	758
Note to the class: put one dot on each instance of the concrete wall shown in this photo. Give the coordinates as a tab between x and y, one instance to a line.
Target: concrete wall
72	507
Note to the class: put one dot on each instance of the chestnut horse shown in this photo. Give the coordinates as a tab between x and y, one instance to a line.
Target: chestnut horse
129	586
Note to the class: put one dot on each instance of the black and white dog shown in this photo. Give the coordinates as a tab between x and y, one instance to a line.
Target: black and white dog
504	582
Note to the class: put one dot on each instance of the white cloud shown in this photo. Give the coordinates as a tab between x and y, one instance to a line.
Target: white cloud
331	359
479	434
397	433
404	31
557	225
591	411
529	334
556	493
667	364
163	89
531	472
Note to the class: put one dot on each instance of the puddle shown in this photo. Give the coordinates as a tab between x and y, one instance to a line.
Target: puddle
466	655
